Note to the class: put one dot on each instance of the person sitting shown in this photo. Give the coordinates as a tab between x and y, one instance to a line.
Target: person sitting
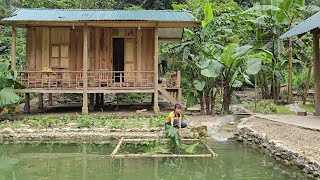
174	118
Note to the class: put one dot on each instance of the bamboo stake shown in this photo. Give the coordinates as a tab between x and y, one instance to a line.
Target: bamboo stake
117	148
160	155
145	140
213	154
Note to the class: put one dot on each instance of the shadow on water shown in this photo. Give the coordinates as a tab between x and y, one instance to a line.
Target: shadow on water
88	161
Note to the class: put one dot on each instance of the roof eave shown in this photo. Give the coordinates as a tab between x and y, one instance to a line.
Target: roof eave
135	23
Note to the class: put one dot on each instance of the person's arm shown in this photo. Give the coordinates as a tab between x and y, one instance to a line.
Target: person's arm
180	126
171	120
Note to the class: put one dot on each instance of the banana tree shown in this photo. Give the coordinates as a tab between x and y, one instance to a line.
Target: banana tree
232	69
7	85
272	20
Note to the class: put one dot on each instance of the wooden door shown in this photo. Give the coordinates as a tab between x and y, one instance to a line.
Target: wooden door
129	59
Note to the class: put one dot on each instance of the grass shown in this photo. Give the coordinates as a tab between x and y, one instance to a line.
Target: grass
268	107
283	110
308	107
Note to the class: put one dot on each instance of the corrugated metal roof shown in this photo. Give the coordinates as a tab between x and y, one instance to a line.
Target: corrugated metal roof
305	26
98	15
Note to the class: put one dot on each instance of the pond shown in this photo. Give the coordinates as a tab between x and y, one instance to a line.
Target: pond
88	161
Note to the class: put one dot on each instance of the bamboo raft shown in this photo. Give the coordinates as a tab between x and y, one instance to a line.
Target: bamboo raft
116	149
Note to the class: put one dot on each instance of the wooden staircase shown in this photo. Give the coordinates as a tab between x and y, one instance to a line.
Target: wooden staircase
167	95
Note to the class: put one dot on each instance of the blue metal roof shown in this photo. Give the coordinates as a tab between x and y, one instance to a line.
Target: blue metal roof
309	24
71	15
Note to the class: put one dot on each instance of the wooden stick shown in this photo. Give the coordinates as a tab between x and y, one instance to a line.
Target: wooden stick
213	154
117	148
145	140
160	155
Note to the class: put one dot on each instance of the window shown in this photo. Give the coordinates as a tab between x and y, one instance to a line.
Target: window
60	55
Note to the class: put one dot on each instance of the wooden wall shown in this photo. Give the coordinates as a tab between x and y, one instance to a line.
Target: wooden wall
46	46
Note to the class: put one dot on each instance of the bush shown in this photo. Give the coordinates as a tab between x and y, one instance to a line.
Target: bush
265	107
86	121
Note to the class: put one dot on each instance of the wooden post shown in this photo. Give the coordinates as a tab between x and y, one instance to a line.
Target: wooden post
179	95
290	72
27	103
40	101
85	71
13	49
139	38
50	99
316	60
306	89
155	78
91	104
97	99
101	99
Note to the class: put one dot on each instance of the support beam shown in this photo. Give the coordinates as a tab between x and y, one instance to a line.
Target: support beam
91	104
13	49
85	69
179	93
155	78
139	52
316	59
27	103
50	99
40	101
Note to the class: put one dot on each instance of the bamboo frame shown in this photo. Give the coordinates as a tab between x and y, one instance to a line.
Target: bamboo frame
114	152
161	155
115	155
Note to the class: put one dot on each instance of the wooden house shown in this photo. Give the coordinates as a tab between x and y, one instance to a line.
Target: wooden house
96	51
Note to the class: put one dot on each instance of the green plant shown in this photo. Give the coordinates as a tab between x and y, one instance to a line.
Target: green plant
115	123
264	106
103	121
86	121
156	121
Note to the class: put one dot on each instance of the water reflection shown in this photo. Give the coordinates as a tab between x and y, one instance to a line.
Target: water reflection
87	161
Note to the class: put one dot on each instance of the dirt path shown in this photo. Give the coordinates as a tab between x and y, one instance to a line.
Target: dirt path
305	141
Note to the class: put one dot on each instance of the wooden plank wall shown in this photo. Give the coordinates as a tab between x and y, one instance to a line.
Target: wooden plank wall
147	51
39	40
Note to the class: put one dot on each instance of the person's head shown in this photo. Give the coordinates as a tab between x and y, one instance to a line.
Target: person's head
177	108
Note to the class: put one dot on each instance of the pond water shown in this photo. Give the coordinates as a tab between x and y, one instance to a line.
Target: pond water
88	161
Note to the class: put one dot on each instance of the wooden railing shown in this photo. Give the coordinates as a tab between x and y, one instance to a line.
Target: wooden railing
96	79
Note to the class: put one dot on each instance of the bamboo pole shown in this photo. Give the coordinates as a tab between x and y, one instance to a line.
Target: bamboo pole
117	148
161	155
145	140
213	154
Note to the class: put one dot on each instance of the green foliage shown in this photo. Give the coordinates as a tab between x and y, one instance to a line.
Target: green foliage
268	107
156	121
308	107
172	133
85	121
133	98
264	107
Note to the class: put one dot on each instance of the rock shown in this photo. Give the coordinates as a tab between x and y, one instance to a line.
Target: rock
29	130
128	130
141	111
232	123
25	126
302	113
65	130
144	130
56	129
7	131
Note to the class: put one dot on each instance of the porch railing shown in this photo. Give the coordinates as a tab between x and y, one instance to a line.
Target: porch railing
96	79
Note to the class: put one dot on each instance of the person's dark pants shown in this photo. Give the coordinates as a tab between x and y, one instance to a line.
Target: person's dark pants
176	123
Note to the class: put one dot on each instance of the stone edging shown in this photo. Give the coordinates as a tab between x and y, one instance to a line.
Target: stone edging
279	151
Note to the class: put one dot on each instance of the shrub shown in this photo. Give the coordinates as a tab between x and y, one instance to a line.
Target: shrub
86	121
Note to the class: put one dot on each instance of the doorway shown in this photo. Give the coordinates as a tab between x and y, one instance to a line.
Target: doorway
118	58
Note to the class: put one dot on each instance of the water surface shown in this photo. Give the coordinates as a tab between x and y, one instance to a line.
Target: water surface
74	161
